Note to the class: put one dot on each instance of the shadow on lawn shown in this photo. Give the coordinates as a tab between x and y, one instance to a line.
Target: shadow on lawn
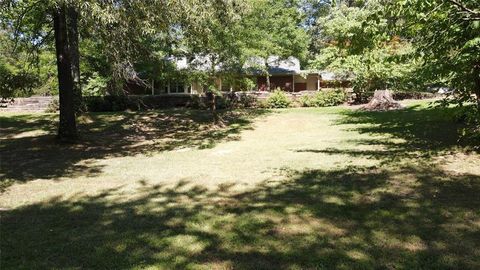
354	218
389	217
408	134
30	152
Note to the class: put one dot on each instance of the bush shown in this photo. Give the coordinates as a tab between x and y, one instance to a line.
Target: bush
323	99
246	84
470	132
244	100
134	102
401	95
106	103
278	99
96	85
365	97
197	102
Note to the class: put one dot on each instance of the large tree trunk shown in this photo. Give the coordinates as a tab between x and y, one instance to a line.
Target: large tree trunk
67	128
382	101
72	28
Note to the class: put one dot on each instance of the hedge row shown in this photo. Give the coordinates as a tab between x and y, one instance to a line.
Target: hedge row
276	99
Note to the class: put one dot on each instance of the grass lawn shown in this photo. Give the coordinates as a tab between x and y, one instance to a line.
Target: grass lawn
327	188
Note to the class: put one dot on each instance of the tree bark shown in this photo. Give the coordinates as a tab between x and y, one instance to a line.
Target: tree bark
72	28
382	101
67	128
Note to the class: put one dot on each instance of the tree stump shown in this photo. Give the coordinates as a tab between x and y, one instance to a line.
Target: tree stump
382	101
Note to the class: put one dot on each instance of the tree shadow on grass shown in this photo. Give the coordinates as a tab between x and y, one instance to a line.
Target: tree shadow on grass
430	129
353	218
414	133
30	152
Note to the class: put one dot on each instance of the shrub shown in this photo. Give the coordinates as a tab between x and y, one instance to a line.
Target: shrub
306	101
96	85
401	95
106	103
323	99
470	132
246	101
365	97
133	102
197	102
246	84
278	99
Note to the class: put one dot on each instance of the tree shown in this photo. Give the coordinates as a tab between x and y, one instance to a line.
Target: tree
17	78
121	27
354	42
274	28
67	129
217	43
446	34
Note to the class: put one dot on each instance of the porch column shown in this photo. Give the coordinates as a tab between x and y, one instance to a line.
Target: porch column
318	82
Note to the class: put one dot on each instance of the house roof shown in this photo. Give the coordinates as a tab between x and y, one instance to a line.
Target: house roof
276	65
254	66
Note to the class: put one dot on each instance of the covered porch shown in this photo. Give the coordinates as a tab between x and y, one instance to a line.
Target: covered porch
291	82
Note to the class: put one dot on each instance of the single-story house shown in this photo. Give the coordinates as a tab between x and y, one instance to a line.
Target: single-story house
285	74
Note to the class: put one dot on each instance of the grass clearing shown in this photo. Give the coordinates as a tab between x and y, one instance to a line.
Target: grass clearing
326	188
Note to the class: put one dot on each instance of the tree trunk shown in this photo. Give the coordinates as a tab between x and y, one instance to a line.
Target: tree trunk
67	128
382	101
213	99
72	28
216	119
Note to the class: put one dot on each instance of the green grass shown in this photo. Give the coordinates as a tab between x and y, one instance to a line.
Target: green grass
326	188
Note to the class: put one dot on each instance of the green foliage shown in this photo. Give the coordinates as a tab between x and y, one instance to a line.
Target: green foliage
272	27
110	103
17	78
16	83
354	43
323	98
278	99
96	85
446	35
470	115
245	84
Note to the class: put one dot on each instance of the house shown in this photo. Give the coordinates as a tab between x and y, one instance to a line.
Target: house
285	74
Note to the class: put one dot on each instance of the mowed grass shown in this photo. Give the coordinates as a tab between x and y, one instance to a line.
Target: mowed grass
328	188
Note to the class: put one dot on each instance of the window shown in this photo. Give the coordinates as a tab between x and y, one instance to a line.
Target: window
176	88
180	88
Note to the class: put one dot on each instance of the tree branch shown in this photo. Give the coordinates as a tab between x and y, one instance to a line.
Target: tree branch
464	8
